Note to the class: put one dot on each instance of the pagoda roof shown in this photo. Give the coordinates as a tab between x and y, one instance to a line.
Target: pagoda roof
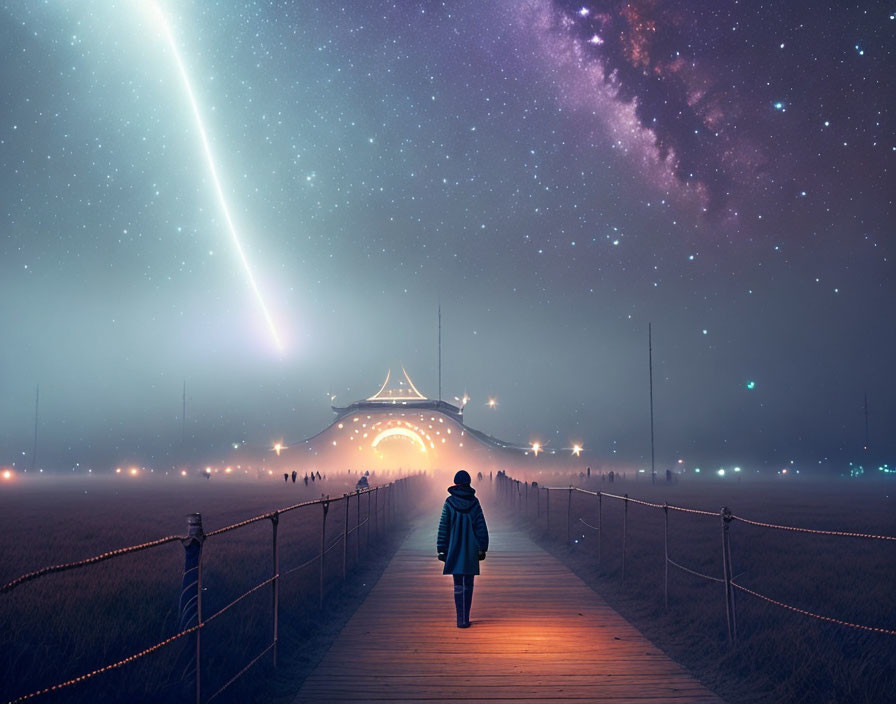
403	391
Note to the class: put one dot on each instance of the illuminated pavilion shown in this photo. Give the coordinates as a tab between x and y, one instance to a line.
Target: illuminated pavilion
399	427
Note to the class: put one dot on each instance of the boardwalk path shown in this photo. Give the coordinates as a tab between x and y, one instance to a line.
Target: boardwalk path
539	634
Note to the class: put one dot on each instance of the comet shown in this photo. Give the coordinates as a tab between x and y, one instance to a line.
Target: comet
213	171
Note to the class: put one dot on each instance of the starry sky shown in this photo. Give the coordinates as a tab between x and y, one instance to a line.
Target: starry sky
555	175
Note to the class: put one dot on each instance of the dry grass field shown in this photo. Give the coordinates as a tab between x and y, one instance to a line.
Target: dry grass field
780	656
62	625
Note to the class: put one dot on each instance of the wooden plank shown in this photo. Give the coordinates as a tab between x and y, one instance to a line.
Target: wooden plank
539	634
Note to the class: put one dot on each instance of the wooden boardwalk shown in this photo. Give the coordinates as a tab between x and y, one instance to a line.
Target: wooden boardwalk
538	634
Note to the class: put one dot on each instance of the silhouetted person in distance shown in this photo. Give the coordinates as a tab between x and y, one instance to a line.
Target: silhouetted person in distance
479	476
588	472
285	477
611	476
312	476
462	542
318	475
306	478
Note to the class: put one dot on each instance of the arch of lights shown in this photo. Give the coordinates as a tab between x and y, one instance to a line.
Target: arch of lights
401	432
426	431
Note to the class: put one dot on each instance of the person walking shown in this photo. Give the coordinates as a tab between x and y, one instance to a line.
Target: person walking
462	542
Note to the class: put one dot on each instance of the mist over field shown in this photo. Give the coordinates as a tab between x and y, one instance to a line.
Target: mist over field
259	211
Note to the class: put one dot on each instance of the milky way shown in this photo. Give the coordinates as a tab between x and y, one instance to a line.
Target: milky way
737	99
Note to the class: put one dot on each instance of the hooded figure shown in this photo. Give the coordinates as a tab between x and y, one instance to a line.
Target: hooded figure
462	542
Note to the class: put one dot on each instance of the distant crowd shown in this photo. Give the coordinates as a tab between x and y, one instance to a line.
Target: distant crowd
362	483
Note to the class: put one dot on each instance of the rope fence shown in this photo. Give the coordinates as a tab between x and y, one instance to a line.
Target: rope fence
88	675
839	533
53	569
873	629
586	523
694	572
381	511
242	672
516	494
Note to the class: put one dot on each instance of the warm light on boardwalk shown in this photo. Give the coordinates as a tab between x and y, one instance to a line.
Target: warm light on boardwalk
538	634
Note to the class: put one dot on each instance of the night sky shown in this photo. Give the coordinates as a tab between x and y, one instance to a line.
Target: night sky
555	175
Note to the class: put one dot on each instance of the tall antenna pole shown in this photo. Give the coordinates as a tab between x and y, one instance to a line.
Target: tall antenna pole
440	351
650	362
36	410
183	418
866	422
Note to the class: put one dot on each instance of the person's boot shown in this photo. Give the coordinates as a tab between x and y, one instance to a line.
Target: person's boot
459	604
468	600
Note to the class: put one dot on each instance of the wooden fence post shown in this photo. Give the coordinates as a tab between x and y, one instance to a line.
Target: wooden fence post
666	554
345	537
624	533
367	546
323	547
191	597
726	568
569	517
357	526
275	520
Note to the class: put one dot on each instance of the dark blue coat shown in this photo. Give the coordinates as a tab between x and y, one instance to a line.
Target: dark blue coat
462	531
